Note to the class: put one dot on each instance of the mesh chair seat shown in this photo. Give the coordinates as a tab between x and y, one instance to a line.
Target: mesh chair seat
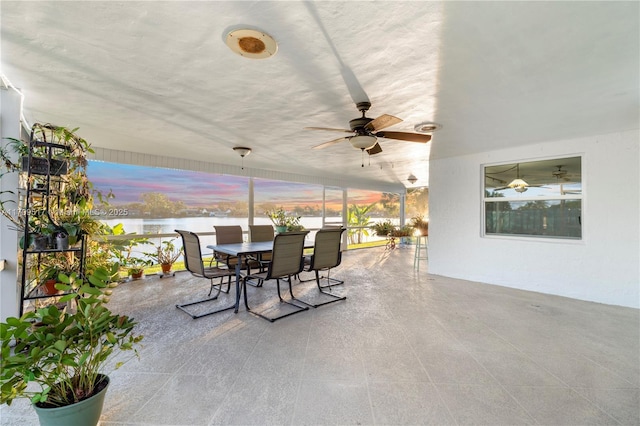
259	233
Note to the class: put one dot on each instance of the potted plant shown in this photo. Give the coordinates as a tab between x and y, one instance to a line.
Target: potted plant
420	224
50	266
293	224
279	218
404	232
49	278
165	255
136	265
62	240
384	228
60	355
123	251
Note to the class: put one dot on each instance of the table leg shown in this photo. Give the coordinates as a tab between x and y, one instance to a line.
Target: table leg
238	286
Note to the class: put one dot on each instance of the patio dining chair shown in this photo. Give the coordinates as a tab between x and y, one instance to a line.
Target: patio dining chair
326	256
231	234
286	262
259	233
194	264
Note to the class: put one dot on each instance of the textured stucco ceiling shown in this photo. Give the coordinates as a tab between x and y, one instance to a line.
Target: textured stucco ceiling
157	77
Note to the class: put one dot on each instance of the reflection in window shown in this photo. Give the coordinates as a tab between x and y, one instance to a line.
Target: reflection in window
536	198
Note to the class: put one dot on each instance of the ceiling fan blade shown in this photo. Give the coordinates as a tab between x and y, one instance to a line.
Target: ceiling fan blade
382	122
376	149
404	136
326	144
329	129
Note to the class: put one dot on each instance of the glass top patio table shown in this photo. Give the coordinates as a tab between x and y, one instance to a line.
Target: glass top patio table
244	250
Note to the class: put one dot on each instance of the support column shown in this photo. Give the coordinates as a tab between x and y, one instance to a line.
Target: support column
10	102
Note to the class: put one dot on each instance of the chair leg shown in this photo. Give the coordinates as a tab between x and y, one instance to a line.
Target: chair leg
183	306
272	319
254	283
333	297
330	281
220	286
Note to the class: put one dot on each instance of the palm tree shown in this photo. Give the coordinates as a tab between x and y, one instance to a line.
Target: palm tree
358	216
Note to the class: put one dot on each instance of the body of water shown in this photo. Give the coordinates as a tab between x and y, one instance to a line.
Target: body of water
200	225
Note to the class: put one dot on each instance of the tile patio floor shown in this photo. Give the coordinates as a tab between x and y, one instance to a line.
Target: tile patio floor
405	348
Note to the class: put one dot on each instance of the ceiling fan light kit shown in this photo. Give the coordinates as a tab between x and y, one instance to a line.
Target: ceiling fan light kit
243	151
251	44
519	185
363	141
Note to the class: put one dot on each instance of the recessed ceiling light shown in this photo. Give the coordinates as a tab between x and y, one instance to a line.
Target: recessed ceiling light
427	127
252	44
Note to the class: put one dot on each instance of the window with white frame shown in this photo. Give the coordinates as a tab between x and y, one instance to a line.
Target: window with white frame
534	198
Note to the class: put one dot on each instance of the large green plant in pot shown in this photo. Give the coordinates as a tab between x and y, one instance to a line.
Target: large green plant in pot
60	354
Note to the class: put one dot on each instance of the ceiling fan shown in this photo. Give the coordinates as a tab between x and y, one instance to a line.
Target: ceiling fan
518	184
365	132
560	174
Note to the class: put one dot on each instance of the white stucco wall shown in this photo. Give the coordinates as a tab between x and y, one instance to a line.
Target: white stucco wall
603	267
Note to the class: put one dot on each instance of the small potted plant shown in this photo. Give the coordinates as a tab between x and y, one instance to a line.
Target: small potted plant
60	355
166	255
136	265
62	240
420	224
123	250
293	224
279	218
404	232
48	280
384	228
50	266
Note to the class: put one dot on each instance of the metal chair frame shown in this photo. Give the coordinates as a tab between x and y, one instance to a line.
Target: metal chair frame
195	265
287	261
326	256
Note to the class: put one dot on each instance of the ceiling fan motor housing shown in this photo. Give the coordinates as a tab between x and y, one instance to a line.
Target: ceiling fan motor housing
357	124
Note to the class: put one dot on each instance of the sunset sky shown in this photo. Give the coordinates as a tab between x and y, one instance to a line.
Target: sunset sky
198	189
